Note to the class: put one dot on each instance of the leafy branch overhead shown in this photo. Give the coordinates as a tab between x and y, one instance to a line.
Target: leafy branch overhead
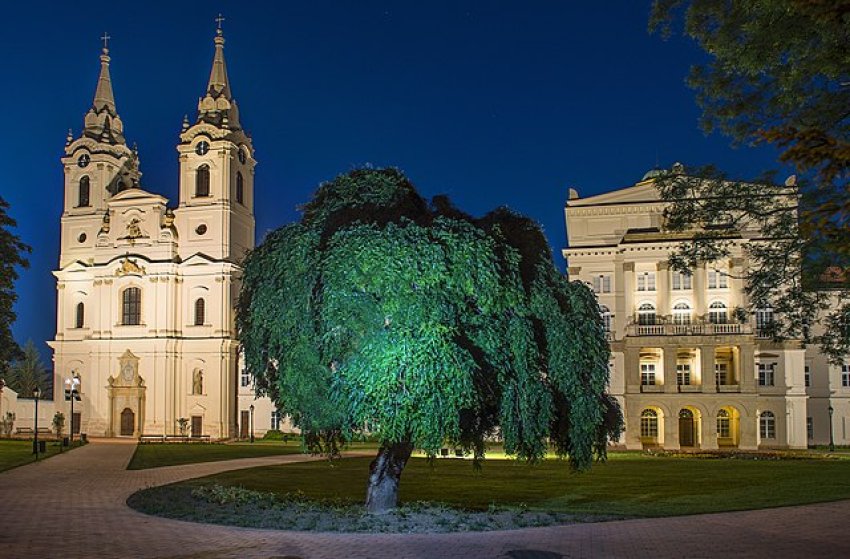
379	311
777	73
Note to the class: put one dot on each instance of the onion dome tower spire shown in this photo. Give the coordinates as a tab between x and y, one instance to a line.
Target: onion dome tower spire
102	122
218	107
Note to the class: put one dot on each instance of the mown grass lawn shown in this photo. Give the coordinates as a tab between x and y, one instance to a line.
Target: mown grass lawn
629	484
14	453
155	455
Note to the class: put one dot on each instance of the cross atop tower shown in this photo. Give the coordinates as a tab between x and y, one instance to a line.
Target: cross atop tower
105	40
218	20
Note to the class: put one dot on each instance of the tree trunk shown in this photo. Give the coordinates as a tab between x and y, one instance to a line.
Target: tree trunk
384	476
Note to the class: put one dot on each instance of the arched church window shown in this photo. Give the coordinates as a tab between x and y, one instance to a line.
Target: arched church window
202	181
240	188
84	193
131	306
80	318
199	312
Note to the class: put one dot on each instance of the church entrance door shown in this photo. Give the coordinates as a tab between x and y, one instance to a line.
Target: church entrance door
245	418
127	422
197	423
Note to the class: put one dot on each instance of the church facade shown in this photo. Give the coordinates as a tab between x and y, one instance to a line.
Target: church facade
146	291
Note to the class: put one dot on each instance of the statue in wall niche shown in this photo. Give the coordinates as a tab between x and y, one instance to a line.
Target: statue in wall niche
104	228
198	382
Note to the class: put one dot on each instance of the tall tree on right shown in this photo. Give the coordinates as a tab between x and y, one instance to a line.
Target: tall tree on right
778	73
12	254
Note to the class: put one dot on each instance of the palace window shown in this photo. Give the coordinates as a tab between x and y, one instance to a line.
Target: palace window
202	181
767	425
80	318
131	306
683	374
646	281
240	188
607	317
845	375
717	279
602	283
717	313
810	428
721	374
807	375
681	281
646	314
649	424
84	193
199	311
647	374
764	320
275	420
245	378
681	313
724	429
766	374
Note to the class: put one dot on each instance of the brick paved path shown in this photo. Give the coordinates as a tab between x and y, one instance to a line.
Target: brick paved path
73	505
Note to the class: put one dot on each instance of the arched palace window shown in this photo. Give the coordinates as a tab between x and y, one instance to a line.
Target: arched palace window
202	181
646	314
649	424
724	429
131	306
681	313
717	313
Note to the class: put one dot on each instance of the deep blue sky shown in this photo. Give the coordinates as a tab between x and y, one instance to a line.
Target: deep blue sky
491	102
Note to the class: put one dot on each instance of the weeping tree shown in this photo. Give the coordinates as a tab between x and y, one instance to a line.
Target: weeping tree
380	312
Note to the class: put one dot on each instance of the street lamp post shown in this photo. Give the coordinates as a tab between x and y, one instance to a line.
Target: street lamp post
36	394
831	430
72	392
252	422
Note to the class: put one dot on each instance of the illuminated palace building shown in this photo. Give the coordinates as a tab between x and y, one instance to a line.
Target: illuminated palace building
146	291
689	365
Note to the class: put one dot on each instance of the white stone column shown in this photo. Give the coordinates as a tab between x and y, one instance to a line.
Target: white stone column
662	284
669	371
707	355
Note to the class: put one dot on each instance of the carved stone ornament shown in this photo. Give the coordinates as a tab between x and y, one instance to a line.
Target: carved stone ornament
133	229
129	266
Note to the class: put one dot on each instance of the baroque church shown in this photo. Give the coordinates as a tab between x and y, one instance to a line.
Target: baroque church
147	291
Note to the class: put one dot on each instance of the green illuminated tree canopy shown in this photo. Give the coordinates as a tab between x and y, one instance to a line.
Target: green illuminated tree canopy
427	328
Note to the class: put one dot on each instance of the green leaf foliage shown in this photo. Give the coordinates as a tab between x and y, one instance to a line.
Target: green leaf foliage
12	255
412	321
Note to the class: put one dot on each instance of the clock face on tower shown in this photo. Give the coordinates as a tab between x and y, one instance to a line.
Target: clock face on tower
83	160
202	148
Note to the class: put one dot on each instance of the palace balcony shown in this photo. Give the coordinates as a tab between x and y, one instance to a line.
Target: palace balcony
692	329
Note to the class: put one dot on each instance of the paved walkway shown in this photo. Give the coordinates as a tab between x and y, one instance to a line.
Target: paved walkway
73	505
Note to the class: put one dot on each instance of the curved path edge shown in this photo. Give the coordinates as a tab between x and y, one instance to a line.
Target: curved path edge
74	505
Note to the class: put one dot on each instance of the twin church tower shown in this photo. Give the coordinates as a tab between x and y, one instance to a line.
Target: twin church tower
146	292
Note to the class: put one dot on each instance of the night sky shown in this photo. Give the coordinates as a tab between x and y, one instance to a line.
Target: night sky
493	103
